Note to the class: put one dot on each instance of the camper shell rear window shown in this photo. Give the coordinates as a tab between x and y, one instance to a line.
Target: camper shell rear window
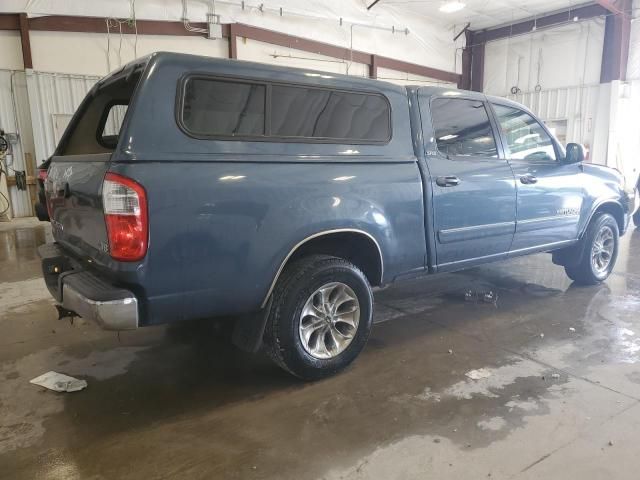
95	128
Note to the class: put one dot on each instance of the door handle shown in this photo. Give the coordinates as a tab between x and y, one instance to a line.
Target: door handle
447	181
528	179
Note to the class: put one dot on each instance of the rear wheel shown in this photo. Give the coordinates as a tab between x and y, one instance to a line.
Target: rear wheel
320	317
600	252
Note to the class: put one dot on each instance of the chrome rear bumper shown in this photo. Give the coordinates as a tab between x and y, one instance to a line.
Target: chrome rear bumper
87	294
119	314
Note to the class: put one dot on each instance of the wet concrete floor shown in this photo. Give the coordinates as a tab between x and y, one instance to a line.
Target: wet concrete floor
562	399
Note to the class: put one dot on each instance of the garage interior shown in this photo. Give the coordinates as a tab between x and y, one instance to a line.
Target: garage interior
558	392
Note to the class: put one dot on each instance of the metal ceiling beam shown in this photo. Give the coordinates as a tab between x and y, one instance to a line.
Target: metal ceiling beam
472	77
67	23
25	40
320	48
473	54
9	21
614	6
615	50
466	27
573	14
233	41
232	31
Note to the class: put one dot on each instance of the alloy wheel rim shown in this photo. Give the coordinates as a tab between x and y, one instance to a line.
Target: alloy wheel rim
602	250
329	320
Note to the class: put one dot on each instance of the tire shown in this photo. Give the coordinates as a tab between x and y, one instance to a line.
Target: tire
301	287
592	268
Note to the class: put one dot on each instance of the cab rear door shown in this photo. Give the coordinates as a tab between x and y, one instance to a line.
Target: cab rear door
472	185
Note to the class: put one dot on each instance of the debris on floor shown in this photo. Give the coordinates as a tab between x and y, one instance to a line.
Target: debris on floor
486	296
571	329
478	374
59	382
490	297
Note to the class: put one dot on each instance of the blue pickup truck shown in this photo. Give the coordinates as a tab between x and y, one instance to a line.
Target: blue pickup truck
187	187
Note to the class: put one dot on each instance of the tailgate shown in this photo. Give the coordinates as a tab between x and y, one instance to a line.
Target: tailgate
73	190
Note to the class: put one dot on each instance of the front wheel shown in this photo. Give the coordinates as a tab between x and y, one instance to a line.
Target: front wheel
600	251
320	317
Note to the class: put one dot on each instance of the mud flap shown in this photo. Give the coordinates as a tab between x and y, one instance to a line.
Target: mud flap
249	329
569	256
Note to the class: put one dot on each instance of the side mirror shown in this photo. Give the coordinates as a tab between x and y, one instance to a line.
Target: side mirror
575	153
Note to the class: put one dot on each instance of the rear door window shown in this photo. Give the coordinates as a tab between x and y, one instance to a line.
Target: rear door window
462	128
223	108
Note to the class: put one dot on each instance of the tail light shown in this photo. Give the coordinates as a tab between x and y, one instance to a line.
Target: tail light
125	212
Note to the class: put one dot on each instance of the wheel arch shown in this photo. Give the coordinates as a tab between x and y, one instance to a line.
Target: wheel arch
608	206
358	246
572	255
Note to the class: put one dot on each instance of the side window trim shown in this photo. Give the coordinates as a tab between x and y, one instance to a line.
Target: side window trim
501	155
267	137
503	151
504	141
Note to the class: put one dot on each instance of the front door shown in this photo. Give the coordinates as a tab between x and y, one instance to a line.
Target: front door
549	192
473	189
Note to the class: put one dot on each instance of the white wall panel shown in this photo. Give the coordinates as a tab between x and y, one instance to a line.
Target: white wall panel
565	56
332	21
51	94
579	106
10	123
629	161
623	138
633	67
51	50
254	51
10	50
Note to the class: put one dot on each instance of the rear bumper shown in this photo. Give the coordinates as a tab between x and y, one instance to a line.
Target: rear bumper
86	293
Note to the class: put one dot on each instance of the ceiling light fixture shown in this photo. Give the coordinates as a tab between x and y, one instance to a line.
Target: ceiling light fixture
452	6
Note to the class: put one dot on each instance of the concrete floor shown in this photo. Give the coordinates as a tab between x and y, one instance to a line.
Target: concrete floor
179	402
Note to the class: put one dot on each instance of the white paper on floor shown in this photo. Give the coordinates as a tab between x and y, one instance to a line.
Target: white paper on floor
478	374
59	382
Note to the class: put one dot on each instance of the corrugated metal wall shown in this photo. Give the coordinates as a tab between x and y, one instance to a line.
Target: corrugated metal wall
577	105
12	95
29	104
53	94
